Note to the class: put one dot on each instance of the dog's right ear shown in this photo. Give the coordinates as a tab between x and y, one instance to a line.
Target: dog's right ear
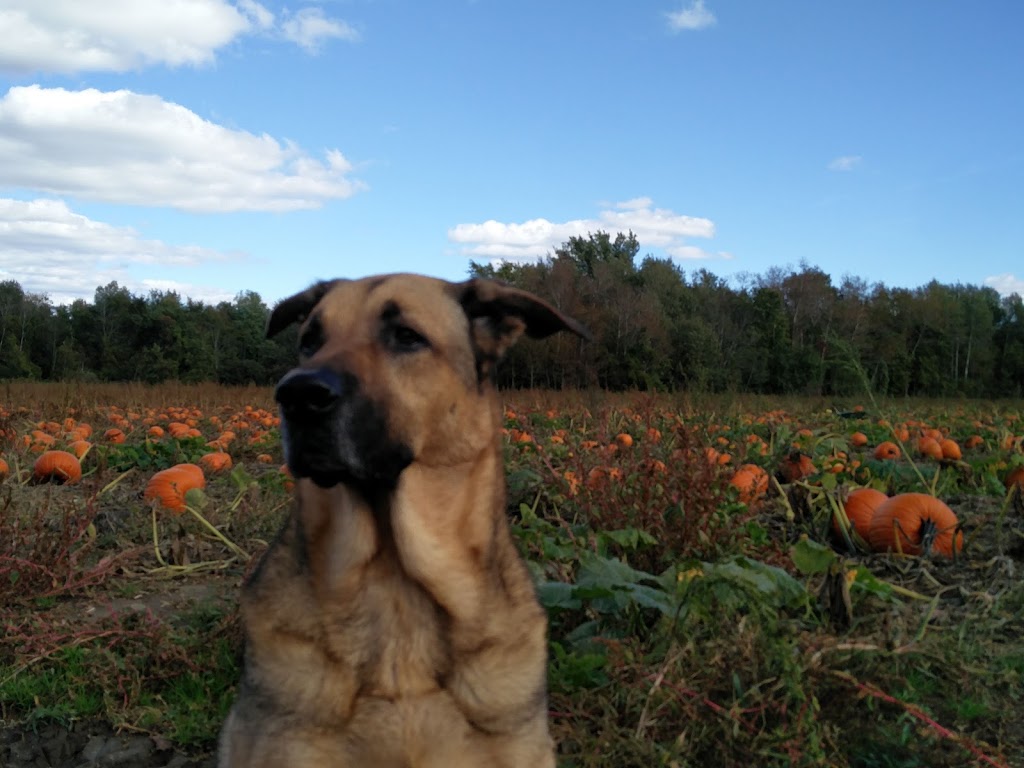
296	308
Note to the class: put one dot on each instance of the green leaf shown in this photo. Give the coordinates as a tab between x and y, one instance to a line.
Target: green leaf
558	595
810	557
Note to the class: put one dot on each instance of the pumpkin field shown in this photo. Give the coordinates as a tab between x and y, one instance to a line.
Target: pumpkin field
730	580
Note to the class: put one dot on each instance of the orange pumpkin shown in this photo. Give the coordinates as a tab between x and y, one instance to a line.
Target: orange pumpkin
797	466
79	448
1015	477
114	435
217	461
168	487
5	469
624	439
57	467
913	523
860	506
751	481
950	450
887	450
858	439
929	448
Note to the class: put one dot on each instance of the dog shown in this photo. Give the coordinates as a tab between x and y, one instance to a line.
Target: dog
392	622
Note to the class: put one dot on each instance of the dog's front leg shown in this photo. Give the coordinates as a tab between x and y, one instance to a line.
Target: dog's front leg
455	542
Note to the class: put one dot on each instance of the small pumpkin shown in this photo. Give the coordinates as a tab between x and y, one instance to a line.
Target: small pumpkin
79	448
913	523
858	439
887	450
57	467
5	468
860	506
950	449
168	487
929	448
751	482
797	466
114	435
217	461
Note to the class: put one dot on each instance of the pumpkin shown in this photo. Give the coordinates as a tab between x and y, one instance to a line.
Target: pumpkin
289	478
217	461
929	448
264	458
974	441
887	450
5	469
797	466
624	439
913	523
57	467
114	435
858	439
950	450
79	448
1015	477
860	506
751	482
168	487
155	431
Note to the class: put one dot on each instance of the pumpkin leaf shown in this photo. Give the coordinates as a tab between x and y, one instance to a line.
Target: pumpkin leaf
810	557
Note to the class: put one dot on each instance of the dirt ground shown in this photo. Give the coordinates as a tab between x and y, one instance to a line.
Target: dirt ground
89	744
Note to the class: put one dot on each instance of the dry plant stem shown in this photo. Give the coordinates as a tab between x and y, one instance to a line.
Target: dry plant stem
213	529
670	659
873	691
113	483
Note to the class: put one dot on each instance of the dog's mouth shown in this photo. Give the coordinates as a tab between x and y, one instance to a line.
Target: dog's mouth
334	435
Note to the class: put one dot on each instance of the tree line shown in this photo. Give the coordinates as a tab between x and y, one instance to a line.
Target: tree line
654	327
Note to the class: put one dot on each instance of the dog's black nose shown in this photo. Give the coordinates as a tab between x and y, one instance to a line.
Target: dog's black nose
315	391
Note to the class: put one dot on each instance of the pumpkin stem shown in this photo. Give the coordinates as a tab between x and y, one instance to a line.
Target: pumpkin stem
929	531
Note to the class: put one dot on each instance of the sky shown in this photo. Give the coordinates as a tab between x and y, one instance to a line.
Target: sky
211	147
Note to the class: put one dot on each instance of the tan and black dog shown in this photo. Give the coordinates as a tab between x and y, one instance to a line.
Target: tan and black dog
392	622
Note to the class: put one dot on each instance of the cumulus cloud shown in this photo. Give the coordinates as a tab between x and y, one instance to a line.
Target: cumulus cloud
130	148
653	227
693	17
309	28
67	36
48	248
1006	284
845	163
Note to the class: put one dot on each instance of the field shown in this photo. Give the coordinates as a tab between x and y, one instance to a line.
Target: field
695	620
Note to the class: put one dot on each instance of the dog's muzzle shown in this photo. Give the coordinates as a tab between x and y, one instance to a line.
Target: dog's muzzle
309	393
332	433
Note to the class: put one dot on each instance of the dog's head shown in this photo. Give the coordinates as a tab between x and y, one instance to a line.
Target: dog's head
396	369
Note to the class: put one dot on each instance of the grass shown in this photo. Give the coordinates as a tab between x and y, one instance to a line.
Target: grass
684	629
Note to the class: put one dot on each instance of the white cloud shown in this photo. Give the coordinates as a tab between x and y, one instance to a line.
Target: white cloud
653	227
696	16
845	163
130	148
117	35
68	36
1006	284
48	248
309	28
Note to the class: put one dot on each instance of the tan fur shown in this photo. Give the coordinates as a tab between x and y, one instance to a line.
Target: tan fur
401	627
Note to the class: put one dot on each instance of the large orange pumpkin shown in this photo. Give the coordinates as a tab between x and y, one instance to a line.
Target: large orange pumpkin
913	523
929	447
169	486
860	506
57	467
950	449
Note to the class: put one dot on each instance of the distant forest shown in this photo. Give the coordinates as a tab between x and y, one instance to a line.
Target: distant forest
655	327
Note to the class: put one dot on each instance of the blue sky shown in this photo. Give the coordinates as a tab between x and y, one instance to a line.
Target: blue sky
214	146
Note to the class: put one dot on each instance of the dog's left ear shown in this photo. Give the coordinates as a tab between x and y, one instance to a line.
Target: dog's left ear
296	308
503	313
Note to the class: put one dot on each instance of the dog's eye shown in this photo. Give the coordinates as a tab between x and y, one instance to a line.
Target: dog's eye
312	338
402	338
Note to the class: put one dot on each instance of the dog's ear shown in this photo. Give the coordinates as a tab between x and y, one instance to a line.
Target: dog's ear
296	308
503	313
